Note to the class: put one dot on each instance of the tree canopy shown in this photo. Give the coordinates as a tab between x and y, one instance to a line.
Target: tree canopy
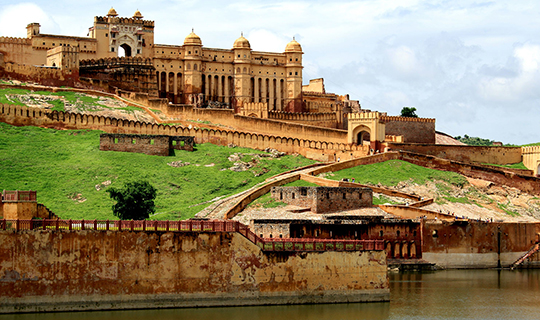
409	112
134	201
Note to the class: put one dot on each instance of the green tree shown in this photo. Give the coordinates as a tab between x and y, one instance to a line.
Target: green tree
134	201
409	112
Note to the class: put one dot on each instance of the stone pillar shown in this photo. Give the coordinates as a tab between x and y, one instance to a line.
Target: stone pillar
206	87
271	101
279	105
256	90
227	90
220	89
264	90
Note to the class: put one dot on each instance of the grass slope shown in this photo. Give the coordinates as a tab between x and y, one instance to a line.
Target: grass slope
65	166
390	173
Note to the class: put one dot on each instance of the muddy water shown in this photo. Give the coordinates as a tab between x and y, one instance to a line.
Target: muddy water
456	294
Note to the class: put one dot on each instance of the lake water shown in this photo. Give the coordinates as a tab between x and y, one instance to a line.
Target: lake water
453	294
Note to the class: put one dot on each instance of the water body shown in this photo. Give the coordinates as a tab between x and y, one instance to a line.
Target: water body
453	294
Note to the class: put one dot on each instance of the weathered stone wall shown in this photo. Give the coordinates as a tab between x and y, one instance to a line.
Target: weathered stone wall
324	199
147	144
327	119
476	244
314	149
493	155
44	270
413	130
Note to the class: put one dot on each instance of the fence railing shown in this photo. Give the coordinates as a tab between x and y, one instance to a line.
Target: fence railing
266	244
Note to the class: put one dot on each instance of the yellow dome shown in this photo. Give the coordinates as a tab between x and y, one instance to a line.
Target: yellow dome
241	43
193	39
112	13
137	15
293	46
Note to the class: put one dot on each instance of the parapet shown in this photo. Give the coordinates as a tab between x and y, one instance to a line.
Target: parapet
120	20
16	40
365	115
530	150
19	196
406	119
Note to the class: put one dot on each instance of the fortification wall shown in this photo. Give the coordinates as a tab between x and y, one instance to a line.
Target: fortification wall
493	155
414	130
500	176
327	120
476	244
313	149
20	51
100	270
45	76
531	158
227	118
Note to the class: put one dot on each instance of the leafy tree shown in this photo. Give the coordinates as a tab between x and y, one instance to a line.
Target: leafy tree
409	112
134	201
474	141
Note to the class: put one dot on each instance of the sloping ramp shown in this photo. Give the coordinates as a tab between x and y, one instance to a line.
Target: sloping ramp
534	249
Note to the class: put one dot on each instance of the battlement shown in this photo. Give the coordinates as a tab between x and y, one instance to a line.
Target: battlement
406	119
123	20
116	61
366	115
295	116
530	150
16	40
318	94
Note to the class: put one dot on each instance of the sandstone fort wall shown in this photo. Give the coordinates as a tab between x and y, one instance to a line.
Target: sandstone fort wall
96	270
493	155
318	150
418	130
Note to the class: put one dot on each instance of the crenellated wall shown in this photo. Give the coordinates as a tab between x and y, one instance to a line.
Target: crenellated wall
417	130
313	149
328	120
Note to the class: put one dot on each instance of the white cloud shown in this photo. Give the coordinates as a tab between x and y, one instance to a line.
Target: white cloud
14	19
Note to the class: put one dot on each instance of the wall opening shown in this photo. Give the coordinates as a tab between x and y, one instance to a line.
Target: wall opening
124	50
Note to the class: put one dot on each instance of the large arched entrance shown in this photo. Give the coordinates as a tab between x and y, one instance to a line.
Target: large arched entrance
362	135
124	50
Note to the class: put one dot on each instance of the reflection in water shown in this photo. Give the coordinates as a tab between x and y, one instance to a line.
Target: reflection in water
455	294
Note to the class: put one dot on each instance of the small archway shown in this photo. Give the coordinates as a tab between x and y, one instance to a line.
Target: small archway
124	50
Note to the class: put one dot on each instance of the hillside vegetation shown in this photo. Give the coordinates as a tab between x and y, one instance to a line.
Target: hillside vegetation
70	173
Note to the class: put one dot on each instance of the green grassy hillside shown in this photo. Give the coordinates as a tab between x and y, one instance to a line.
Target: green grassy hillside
64	167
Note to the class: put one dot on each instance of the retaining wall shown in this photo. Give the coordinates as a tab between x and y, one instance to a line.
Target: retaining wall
43	270
493	155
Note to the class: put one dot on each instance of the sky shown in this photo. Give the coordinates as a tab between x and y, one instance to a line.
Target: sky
472	65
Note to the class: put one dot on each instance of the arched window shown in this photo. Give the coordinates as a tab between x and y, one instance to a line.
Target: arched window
188	66
237	70
195	66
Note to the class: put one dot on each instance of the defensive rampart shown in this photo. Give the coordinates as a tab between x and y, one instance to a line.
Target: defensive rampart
67	270
227	118
314	149
419	130
322	119
479	154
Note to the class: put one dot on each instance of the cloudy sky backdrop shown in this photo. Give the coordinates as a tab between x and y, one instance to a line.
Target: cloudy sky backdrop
472	65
